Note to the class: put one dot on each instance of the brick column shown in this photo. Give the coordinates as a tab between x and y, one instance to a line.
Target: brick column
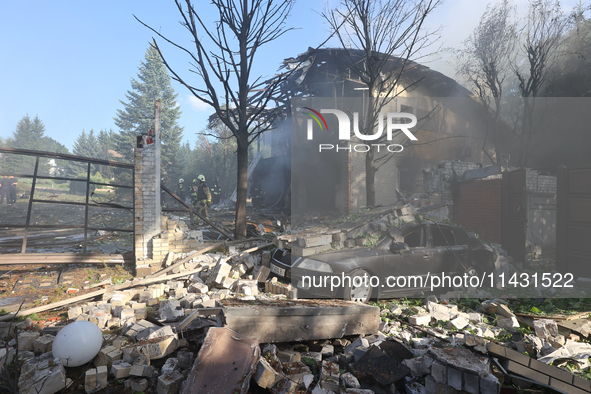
147	191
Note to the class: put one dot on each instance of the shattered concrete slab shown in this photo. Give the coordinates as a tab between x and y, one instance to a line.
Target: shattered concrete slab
42	375
225	363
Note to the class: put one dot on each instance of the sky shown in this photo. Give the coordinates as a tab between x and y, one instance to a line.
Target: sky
71	62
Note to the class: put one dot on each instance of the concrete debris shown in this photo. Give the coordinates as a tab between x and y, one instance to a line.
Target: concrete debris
436	347
43	374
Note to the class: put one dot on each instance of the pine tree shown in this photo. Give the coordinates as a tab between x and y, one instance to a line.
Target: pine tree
28	135
153	82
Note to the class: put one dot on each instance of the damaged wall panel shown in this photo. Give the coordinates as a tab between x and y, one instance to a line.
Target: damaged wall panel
300	323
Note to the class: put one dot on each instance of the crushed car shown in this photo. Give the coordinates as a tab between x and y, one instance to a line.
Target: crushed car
415	250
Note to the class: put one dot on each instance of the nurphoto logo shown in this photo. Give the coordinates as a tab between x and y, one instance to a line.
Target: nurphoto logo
393	123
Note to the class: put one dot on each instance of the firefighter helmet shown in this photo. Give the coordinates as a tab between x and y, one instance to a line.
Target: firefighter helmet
181	180
201	178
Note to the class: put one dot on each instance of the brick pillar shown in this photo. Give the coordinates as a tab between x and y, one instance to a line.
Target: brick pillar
147	191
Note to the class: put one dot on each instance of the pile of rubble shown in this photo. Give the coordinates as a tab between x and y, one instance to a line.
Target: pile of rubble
159	337
425	348
306	242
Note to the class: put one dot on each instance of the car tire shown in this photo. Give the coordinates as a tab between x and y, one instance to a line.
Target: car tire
358	293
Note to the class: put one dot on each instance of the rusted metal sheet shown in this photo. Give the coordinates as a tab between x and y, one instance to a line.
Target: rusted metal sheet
573	221
225	363
300	323
514	214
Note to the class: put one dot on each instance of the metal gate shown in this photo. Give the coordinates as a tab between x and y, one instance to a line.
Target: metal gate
573	222
82	214
514	214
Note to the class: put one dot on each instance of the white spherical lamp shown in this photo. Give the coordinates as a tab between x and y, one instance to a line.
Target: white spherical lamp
77	343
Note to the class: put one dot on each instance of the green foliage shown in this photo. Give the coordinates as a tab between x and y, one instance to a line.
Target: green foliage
29	134
136	117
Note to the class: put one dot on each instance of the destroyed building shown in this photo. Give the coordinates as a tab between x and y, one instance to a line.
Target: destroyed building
452	126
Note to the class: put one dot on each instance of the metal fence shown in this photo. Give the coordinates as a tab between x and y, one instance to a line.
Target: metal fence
9	166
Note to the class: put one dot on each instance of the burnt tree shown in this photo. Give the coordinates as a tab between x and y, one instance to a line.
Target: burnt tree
223	57
388	33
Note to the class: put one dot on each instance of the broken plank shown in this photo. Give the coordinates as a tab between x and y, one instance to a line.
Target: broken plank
60	258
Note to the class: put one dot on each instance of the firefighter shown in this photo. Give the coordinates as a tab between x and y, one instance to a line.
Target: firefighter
180	189
257	194
13	184
4	186
203	196
216	191
193	189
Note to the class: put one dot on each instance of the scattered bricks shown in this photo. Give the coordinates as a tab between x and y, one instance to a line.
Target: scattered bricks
185	358
350	381
118	299
304	252
473	340
26	339
198	288
422	319
454	378
265	376
319	240
126	313
43	344
360	242
416	366
313	355
171	311
138	385
162	348
42	374
143	270
261	274
120	369
113	356
442	312
546	328
439	372
266	258
508	322
90	381
475	317
144	296
503	310
471	383
152	302
349	243
101	358
489	384
140	313
458	323
101	377
355	344
169	383
221	269
171	364
286	356
137	370
414	388
74	312
431	386
327	350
